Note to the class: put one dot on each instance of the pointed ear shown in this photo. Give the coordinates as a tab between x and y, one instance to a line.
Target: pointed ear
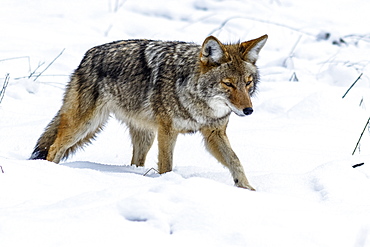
251	48
213	51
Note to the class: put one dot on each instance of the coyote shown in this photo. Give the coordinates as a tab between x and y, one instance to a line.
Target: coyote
157	87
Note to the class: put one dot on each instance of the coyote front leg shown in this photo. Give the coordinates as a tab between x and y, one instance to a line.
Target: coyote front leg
218	145
166	144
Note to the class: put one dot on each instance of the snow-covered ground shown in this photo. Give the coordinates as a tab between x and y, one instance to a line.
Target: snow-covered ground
296	147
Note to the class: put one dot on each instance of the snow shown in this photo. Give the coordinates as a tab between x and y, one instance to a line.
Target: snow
296	147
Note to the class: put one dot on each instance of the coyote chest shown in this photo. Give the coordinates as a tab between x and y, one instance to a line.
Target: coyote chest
196	123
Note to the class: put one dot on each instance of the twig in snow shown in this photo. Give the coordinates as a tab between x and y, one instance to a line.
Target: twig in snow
357	165
295	46
55	75
294	77
27	57
108	30
2	92
262	21
118	4
31	74
362	101
357	38
359	139
151	169
49	65
2	171
358	78
291	54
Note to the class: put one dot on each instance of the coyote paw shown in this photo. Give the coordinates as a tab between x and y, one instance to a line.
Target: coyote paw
244	185
249	187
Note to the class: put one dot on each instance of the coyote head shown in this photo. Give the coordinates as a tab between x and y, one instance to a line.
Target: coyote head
228	75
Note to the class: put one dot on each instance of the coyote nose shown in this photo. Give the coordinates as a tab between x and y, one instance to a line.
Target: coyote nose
248	110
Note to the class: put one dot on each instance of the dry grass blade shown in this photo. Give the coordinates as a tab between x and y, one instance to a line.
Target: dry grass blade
358	78
362	133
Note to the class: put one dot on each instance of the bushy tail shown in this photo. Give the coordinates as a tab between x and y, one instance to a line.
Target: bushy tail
46	139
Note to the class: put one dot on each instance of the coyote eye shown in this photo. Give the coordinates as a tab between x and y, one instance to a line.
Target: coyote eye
249	80
228	83
248	83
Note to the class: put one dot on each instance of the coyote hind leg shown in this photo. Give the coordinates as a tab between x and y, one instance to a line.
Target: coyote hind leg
142	140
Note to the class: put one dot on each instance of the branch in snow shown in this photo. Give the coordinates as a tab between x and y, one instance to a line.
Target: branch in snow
49	64
2	92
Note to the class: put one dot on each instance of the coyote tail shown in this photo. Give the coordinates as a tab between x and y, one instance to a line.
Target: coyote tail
46	139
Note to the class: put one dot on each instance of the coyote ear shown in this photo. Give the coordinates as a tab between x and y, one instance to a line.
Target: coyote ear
251	48
213	51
